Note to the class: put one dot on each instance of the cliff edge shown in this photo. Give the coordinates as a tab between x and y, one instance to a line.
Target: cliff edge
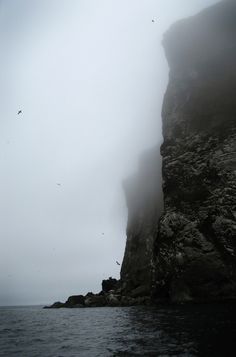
145	204
195	246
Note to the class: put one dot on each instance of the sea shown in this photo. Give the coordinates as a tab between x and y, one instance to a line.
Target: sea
186	330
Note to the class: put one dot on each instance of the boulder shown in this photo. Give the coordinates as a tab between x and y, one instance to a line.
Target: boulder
75	300
113	300
95	301
109	284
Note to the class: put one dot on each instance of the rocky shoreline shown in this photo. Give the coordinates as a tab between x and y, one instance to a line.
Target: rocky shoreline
110	295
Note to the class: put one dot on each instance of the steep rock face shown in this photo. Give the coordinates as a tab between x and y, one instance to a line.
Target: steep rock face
195	249
144	201
189	254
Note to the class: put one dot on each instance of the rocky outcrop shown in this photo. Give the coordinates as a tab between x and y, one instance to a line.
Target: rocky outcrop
196	243
111	296
109	284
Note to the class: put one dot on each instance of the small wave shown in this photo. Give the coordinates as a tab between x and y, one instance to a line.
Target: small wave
6	330
65	347
37	339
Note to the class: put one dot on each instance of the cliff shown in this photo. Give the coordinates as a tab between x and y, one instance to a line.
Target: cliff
145	204
195	246
190	254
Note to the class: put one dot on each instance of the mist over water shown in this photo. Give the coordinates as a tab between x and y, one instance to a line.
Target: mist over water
89	77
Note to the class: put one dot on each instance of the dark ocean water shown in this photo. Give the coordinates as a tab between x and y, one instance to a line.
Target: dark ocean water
205	330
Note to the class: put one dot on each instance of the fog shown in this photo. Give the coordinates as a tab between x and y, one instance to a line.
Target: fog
89	77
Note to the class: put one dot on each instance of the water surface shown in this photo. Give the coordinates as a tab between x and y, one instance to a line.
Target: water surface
194	330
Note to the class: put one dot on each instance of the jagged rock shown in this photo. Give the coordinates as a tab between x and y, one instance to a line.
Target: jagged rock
127	301
196	243
75	301
113	300
95	301
109	284
89	294
140	291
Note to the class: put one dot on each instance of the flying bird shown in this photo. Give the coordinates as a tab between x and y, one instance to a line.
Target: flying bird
19	112
117	263
58	184
153	20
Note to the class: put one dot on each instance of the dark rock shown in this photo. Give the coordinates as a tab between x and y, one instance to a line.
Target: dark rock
95	301
140	291
75	300
56	305
89	294
113	299
109	284
196	246
127	301
77	306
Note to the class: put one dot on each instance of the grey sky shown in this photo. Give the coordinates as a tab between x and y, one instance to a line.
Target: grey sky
89	77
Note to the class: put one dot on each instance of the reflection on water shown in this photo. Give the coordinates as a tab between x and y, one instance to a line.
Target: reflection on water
205	330
192	330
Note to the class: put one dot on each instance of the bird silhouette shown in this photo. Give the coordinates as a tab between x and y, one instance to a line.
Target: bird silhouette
153	20
58	184
19	112
117	263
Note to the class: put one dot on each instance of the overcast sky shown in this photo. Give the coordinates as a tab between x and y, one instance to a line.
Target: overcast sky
89	77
